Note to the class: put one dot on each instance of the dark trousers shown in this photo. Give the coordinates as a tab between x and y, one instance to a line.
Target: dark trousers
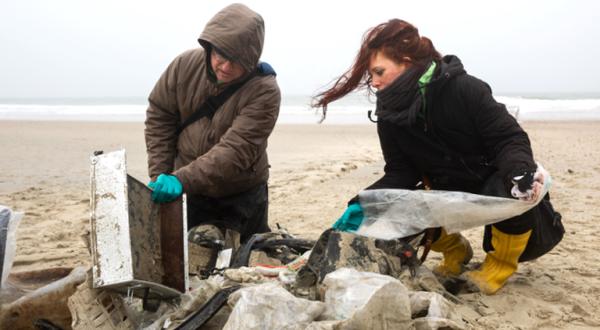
246	212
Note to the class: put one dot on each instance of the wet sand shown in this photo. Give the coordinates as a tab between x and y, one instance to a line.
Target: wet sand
315	170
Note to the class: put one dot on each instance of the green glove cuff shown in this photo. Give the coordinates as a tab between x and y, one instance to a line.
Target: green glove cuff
351	219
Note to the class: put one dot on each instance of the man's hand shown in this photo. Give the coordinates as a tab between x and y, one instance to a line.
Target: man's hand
166	188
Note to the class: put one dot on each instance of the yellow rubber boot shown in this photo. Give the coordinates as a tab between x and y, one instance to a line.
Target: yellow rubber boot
501	263
457	253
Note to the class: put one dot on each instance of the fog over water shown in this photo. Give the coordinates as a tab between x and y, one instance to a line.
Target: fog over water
118	49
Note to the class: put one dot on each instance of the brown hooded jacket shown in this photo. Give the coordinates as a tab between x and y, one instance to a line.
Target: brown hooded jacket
224	155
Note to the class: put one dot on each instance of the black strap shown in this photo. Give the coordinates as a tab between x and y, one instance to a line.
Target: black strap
213	103
200	316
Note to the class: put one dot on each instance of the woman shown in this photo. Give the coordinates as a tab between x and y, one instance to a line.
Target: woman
441	128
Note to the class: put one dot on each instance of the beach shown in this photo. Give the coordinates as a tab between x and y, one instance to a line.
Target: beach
315	170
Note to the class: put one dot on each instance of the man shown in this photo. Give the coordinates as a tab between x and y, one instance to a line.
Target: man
219	158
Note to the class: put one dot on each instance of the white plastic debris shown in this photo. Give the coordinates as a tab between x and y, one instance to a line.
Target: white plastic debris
223	259
9	221
285	273
243	275
434	303
440	312
348	290
394	213
270	306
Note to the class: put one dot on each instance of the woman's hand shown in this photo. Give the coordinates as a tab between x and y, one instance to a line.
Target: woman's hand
528	186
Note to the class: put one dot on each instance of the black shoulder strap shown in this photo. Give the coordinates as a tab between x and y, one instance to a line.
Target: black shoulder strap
213	103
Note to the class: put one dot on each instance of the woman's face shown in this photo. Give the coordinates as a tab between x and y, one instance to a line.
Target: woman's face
383	70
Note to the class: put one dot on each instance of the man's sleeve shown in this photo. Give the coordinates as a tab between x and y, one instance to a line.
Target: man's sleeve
162	120
238	149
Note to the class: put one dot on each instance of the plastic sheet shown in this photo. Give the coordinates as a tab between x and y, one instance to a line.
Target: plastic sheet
9	221
48	302
397	213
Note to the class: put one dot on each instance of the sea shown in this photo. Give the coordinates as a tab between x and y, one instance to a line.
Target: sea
295	109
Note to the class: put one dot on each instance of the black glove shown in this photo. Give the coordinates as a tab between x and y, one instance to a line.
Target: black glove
523	179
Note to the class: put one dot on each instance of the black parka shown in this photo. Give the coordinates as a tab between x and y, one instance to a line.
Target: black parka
462	136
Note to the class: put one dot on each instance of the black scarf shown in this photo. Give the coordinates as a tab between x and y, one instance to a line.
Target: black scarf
400	102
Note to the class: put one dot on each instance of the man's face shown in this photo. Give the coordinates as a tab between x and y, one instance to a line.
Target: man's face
225	70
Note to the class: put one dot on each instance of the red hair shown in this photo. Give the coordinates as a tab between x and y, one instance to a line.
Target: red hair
398	40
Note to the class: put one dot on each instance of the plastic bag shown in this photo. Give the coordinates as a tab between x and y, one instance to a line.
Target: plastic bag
9	221
397	213
270	306
349	290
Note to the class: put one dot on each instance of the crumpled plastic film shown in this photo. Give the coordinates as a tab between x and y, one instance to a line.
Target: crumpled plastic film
397	213
270	306
9	221
349	290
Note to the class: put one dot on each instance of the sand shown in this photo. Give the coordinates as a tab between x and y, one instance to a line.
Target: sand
315	170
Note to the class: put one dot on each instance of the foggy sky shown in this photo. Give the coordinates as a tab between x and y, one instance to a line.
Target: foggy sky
116	48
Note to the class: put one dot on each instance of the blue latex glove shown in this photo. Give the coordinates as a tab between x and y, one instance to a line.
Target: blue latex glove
166	188
351	219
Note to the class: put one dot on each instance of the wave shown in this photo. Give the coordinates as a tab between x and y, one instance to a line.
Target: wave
297	110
